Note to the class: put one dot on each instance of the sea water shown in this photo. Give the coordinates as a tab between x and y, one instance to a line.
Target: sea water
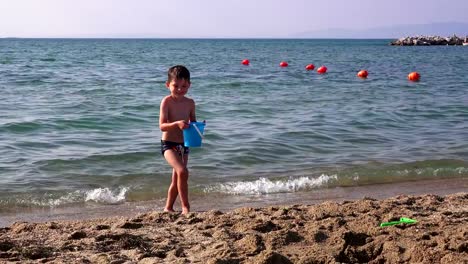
79	118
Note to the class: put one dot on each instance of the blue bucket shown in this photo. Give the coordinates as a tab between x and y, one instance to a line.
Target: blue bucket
193	135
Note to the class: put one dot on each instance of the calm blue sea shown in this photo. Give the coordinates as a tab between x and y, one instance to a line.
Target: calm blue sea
79	117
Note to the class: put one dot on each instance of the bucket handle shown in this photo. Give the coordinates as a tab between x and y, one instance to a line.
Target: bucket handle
198	131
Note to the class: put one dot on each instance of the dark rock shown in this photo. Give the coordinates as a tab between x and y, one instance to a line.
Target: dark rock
77	235
429	41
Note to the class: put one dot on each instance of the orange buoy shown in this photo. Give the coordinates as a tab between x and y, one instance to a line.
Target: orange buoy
414	76
322	69
245	62
362	74
283	64
310	67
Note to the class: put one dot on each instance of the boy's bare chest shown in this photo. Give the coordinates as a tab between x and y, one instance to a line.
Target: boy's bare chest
179	111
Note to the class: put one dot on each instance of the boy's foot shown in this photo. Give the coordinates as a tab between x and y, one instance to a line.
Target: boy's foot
185	210
169	210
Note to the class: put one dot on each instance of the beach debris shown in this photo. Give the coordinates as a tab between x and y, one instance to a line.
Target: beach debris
403	220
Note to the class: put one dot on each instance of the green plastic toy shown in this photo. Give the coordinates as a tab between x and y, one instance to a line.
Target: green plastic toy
403	220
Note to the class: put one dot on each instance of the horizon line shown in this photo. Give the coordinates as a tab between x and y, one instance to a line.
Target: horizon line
208	38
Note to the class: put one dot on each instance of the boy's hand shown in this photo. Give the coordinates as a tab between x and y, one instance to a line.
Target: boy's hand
182	124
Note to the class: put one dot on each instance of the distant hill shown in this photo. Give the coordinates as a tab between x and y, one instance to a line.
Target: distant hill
390	32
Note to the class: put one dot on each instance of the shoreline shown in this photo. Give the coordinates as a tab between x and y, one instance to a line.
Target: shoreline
231	202
327	232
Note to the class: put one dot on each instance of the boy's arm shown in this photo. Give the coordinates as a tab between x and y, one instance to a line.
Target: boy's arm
193	117
164	123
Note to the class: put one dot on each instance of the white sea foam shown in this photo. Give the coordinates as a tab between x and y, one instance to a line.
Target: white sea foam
66	199
461	170
99	195
266	186
47	200
106	196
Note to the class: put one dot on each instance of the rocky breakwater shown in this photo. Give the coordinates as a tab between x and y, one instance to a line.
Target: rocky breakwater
429	41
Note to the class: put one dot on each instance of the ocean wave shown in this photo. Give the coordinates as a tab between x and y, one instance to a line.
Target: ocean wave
267	186
97	195
21	127
106	196
47	59
436	172
93	160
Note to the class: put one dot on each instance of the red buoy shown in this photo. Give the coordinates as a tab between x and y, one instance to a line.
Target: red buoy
283	64
310	67
322	69
362	74
245	62
414	76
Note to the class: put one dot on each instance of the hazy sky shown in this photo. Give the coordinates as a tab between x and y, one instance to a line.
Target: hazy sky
214	18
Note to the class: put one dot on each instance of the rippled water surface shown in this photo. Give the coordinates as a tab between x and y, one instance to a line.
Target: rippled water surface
79	118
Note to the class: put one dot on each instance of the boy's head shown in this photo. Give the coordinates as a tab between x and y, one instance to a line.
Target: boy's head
178	80
178	72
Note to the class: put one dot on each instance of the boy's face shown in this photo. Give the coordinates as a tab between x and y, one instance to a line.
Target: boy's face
178	87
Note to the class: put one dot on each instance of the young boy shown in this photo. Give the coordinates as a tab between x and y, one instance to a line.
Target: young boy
175	114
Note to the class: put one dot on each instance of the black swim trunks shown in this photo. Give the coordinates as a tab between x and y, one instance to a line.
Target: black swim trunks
178	147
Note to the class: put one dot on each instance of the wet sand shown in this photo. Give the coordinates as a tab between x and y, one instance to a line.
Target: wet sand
230	202
344	231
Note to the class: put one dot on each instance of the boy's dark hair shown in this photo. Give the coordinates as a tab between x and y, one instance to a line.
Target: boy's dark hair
178	72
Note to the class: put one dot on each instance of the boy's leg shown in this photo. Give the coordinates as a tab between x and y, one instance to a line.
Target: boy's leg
180	179
172	193
184	193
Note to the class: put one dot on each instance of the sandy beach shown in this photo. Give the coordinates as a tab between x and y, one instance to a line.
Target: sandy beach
329	232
